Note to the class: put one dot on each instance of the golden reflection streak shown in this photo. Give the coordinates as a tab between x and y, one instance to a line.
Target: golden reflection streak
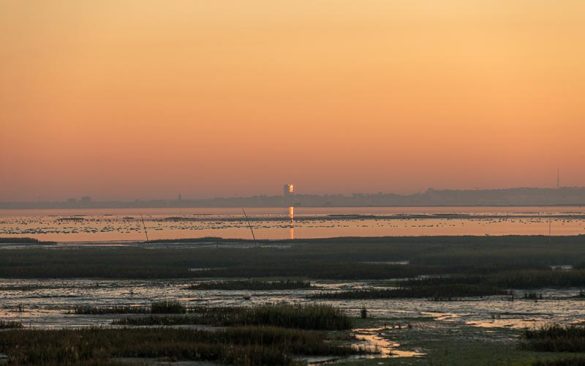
291	216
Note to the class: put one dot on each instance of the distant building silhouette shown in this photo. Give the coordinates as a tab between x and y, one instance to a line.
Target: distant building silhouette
562	196
288	190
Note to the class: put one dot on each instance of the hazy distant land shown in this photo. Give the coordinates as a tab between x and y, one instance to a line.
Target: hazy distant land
564	196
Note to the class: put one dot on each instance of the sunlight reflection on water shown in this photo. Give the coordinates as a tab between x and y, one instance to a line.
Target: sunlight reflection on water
291	223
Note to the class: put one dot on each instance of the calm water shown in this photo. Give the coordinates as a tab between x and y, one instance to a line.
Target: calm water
275	223
50	303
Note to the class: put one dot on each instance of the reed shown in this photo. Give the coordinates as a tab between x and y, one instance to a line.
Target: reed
247	346
9	324
555	338
313	317
439	292
563	362
252	285
167	307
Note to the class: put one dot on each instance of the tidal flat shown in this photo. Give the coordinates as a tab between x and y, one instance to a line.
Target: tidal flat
399	301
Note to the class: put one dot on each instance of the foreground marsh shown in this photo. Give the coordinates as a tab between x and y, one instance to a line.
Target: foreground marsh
444	301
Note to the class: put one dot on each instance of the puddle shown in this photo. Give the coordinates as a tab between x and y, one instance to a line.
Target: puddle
373	340
442	316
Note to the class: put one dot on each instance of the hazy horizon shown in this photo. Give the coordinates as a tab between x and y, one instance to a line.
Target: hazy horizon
276	193
134	99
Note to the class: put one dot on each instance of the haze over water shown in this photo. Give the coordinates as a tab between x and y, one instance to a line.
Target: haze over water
274	223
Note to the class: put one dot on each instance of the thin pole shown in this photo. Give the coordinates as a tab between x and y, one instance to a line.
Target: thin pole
249	225
144	226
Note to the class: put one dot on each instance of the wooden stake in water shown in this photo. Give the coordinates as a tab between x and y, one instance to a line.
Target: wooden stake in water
144	226
250	226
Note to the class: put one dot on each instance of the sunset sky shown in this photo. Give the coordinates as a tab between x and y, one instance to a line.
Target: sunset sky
126	99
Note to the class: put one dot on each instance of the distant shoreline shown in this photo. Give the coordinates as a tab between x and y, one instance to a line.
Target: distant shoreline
203	242
98	207
513	197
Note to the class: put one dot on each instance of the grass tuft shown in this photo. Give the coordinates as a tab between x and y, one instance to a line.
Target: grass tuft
314	317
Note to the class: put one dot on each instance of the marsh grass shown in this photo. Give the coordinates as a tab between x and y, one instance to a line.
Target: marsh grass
530	279
19	240
254	285
9	324
555	338
158	307
439	292
336	258
470	285
247	346
310	317
167	307
563	362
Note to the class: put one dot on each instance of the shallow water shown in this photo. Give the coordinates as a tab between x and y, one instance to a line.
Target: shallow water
375	341
274	223
49	303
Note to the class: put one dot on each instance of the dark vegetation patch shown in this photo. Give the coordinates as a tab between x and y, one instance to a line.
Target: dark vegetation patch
507	262
555	338
313	317
254	285
19	240
167	307
563	362
439	292
23	241
538	279
9	324
471	285
518	279
342	258
247	346
27	287
158	307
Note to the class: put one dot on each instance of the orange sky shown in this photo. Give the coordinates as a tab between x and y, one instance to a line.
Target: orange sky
151	98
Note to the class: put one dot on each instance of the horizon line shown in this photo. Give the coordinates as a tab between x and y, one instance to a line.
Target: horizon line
181	197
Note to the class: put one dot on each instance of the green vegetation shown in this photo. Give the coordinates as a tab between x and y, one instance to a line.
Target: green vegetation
441	268
167	307
251	285
539	279
441	292
470	285
563	362
313	317
555	338
437	288
247	346
159	307
339	258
